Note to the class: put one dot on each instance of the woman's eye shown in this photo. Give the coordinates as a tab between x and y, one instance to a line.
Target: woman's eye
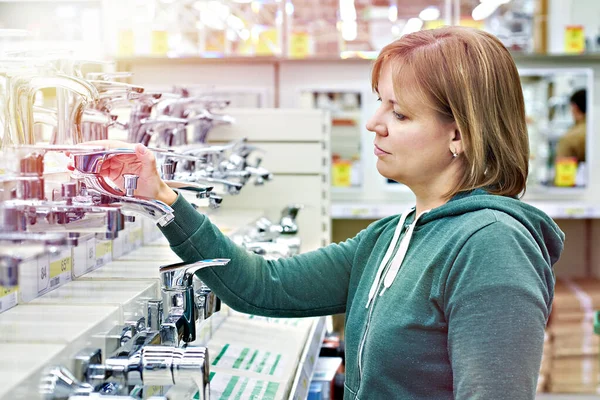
379	99
399	116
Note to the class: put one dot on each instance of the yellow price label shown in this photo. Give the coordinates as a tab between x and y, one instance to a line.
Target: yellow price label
135	235
341	174
59	267
566	172
160	43
299	45
152	390
126	41
574	39
103	248
268	43
4	291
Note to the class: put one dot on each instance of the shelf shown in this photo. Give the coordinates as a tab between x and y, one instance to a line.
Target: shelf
556	210
195	59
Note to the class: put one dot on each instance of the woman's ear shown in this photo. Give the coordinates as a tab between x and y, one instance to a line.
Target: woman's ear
456	139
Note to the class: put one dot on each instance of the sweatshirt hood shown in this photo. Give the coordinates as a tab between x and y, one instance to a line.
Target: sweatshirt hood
543	229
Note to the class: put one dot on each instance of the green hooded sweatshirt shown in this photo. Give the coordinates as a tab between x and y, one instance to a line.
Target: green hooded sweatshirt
463	318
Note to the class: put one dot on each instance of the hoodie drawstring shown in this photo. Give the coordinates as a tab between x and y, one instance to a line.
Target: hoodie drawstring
398	257
400	254
388	255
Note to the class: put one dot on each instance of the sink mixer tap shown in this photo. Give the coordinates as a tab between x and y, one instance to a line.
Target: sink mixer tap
180	300
87	167
164	366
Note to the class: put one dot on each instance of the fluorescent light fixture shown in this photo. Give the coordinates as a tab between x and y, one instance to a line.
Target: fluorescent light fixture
347	10
430	13
349	30
486	8
393	13
412	25
289	8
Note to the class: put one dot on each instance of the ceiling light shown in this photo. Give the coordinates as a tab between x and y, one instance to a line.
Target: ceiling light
412	25
349	30
430	13
393	13
486	8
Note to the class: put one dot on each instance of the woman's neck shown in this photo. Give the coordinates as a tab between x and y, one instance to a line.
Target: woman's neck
433	193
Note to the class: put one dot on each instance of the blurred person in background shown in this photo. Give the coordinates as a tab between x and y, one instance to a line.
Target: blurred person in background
572	144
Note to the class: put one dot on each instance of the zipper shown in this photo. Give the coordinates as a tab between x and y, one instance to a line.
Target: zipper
371	308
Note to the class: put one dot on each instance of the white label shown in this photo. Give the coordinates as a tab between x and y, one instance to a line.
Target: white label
90	254
118	246
30	280
80	259
43	274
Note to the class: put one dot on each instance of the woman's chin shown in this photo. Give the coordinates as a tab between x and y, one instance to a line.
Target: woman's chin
385	172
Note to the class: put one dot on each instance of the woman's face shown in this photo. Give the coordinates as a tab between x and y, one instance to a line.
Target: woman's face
413	146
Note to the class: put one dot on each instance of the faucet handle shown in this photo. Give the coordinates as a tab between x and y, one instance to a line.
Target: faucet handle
59	383
180	276
68	191
168	170
130	184
214	201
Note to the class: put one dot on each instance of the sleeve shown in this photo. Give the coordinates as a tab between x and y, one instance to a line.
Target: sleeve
566	146
309	284
497	301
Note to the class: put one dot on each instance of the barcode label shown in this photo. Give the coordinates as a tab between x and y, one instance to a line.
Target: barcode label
54	281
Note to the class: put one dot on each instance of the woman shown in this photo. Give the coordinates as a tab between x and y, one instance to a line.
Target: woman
448	300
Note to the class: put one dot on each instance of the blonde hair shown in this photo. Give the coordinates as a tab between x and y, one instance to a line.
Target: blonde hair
468	76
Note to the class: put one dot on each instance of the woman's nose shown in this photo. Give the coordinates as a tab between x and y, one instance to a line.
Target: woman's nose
375	126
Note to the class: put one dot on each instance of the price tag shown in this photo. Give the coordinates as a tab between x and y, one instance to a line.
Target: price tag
126	43
340	174
43	274
90	254
574	39
103	252
566	172
117	249
60	270
268	43
135	238
8	298
160	43
299	45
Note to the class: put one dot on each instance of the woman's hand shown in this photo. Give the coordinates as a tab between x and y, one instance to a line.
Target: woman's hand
142	163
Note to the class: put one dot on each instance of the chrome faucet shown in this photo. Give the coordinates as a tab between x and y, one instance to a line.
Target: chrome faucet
164	366
23	88
179	300
87	167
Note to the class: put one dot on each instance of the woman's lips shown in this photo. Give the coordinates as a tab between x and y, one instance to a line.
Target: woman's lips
379	152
